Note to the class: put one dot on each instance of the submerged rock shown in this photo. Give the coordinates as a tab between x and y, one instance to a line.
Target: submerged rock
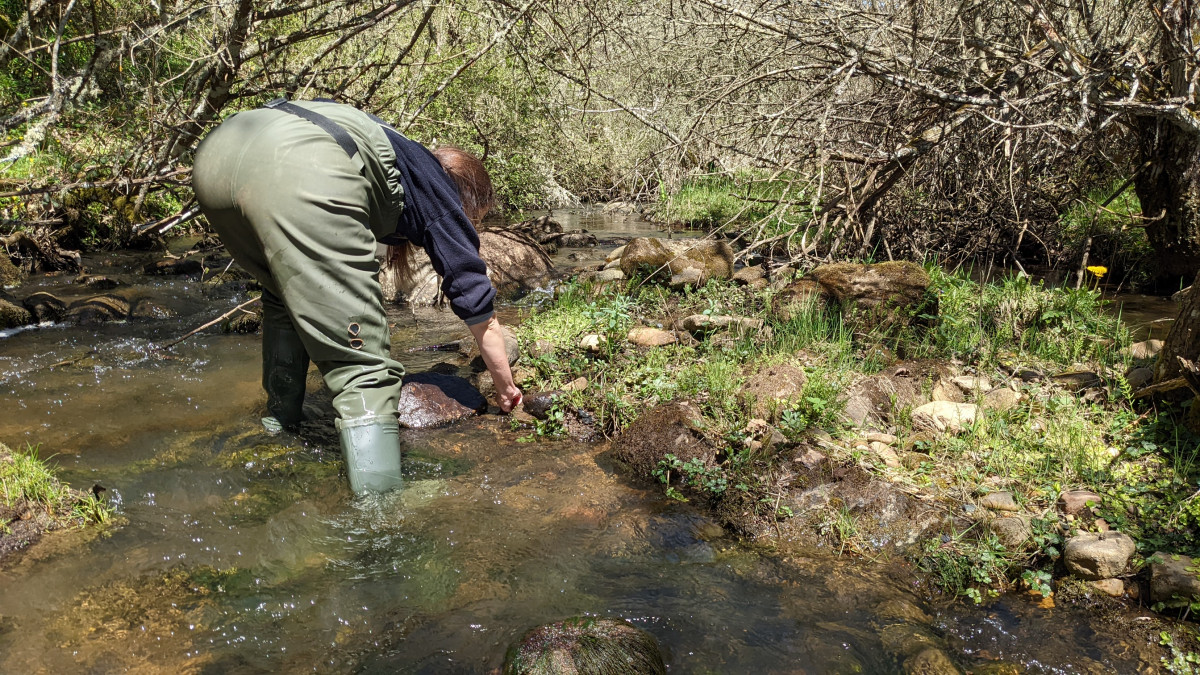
664	258
97	282
174	267
585	646
1098	555
432	399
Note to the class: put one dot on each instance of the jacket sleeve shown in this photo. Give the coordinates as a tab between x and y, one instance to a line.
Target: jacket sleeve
453	248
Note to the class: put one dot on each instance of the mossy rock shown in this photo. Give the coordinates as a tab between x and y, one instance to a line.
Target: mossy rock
10	274
45	307
890	294
585	646
664	258
98	309
12	316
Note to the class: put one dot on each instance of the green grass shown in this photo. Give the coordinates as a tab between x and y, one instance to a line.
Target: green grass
27	478
777	204
1019	319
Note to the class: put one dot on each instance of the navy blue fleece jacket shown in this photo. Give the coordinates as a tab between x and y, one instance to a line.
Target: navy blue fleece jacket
433	219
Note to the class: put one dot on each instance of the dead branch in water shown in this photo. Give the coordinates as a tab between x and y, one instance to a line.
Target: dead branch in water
210	324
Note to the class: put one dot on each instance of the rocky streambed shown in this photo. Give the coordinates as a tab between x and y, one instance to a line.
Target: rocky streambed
242	551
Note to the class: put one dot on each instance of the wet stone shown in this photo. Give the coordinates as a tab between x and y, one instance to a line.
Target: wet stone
45	307
540	404
174	267
97	310
583	645
432	399
1098	555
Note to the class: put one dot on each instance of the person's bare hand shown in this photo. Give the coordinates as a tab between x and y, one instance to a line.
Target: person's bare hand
510	399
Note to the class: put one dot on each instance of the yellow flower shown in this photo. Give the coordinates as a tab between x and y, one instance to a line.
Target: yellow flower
1098	270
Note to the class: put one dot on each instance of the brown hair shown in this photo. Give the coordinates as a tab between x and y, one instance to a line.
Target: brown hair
472	179
474	189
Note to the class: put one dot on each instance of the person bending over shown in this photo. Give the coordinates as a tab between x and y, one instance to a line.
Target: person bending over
301	194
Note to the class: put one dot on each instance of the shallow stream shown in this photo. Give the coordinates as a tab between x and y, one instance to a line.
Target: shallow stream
243	553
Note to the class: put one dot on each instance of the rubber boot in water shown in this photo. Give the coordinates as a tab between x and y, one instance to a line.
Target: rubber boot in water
371	447
285	369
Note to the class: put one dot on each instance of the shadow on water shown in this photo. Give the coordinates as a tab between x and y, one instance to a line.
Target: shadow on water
243	552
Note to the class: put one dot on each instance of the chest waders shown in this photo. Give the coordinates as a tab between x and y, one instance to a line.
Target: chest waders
302	214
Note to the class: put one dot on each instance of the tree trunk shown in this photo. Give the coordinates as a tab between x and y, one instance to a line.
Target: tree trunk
1169	190
1184	339
1169	185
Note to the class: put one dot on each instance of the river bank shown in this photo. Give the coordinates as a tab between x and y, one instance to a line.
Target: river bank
240	550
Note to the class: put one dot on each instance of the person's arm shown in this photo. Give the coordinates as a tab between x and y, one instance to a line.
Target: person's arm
490	338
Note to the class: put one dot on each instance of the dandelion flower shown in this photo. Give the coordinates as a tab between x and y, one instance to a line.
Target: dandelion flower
1098	270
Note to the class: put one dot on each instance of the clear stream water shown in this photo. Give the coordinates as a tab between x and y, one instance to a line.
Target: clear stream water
242	553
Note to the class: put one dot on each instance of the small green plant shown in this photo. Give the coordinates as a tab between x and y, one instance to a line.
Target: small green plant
692	473
1181	662
1038	581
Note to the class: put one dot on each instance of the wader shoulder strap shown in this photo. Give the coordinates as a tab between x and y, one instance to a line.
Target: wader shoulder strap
329	126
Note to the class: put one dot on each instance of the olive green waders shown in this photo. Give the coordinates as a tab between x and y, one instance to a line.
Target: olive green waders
302	216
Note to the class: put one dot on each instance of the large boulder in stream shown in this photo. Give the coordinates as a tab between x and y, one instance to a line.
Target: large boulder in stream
433	399
585	646
97	309
45	307
695	259
885	294
515	263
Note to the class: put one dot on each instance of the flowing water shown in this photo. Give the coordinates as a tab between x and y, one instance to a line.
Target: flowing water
237	552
